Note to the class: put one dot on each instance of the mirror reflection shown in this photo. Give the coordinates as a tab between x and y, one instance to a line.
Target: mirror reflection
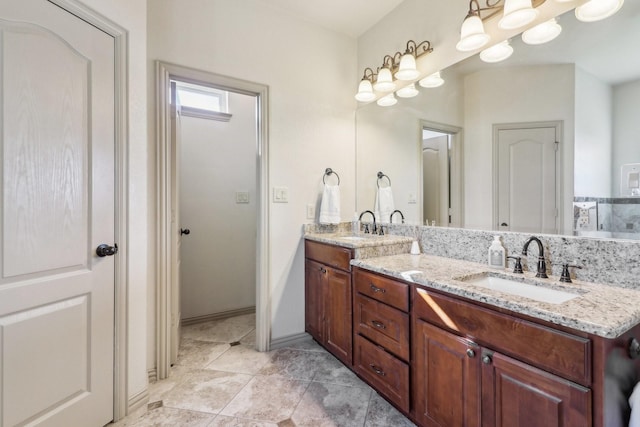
563	114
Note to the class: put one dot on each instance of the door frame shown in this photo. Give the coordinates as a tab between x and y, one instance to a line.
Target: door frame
121	404
558	125
164	73
456	169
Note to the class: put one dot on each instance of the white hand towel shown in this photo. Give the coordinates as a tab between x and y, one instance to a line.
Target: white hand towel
634	402
384	205
330	205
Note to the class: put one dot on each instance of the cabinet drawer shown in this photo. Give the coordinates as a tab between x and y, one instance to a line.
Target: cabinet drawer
388	291
566	355
334	256
387	374
384	325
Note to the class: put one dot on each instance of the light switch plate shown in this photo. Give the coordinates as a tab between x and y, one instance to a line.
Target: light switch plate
242	197
311	211
280	195
413	197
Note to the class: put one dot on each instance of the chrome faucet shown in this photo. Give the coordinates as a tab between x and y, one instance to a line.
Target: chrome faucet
391	216
366	229
542	266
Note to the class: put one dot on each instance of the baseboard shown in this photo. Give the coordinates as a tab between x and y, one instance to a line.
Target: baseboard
218	316
289	340
138	401
153	375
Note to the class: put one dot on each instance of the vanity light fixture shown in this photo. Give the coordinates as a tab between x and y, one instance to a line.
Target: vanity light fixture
497	53
472	35
408	91
595	10
402	66
542	33
387	100
434	80
365	88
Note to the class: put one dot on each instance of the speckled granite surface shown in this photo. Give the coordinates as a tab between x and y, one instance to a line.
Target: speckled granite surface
365	245
603	310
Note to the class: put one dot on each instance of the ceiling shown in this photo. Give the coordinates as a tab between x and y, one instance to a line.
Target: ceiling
350	17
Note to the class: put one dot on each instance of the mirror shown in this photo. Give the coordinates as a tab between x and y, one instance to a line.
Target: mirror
587	80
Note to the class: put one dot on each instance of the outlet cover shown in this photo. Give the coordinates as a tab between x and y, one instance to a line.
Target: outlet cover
242	197
311	211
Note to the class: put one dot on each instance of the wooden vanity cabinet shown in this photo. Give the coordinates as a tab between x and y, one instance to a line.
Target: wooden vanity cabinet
459	378
328	298
381	330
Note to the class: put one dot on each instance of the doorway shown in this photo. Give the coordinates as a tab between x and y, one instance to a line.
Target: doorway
217	202
442	194
171	229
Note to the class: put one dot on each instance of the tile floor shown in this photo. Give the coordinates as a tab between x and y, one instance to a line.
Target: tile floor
220	380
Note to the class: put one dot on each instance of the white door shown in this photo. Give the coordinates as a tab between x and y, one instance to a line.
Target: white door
526	176
57	161
435	176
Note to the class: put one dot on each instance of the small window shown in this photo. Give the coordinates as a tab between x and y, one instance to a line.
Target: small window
203	102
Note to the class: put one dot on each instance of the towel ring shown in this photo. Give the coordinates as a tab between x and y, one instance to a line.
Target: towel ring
328	172
380	176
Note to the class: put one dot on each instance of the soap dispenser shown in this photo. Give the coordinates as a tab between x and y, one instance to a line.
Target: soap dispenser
496	253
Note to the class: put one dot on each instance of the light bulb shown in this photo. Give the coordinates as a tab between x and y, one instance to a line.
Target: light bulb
472	35
365	91
542	33
384	82
387	101
517	14
408	91
497	53
595	10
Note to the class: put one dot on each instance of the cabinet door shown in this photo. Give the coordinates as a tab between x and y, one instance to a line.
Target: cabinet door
517	394
337	315
315	276
446	378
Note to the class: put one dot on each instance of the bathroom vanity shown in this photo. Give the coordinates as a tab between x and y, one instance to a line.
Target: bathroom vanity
449	352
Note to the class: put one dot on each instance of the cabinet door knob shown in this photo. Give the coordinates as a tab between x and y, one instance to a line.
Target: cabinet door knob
322	270
376	289
471	353
377	370
378	324
486	359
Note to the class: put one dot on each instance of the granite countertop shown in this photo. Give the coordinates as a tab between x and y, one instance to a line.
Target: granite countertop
360	240
604	310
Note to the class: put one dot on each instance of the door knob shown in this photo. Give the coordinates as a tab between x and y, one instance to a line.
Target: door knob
185	231
106	250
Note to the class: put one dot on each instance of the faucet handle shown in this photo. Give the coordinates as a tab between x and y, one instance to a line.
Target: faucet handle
518	267
380	230
565	276
366	228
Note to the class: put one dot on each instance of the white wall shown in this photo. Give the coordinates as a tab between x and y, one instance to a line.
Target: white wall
503	95
626	129
131	14
311	74
218	268
594	136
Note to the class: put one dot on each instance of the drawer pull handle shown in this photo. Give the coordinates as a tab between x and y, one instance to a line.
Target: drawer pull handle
376	289
378	324
377	370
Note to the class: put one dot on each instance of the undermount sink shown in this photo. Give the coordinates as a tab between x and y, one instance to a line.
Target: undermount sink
352	238
512	286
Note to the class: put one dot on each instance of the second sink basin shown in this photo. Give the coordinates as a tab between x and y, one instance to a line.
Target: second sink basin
508	285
